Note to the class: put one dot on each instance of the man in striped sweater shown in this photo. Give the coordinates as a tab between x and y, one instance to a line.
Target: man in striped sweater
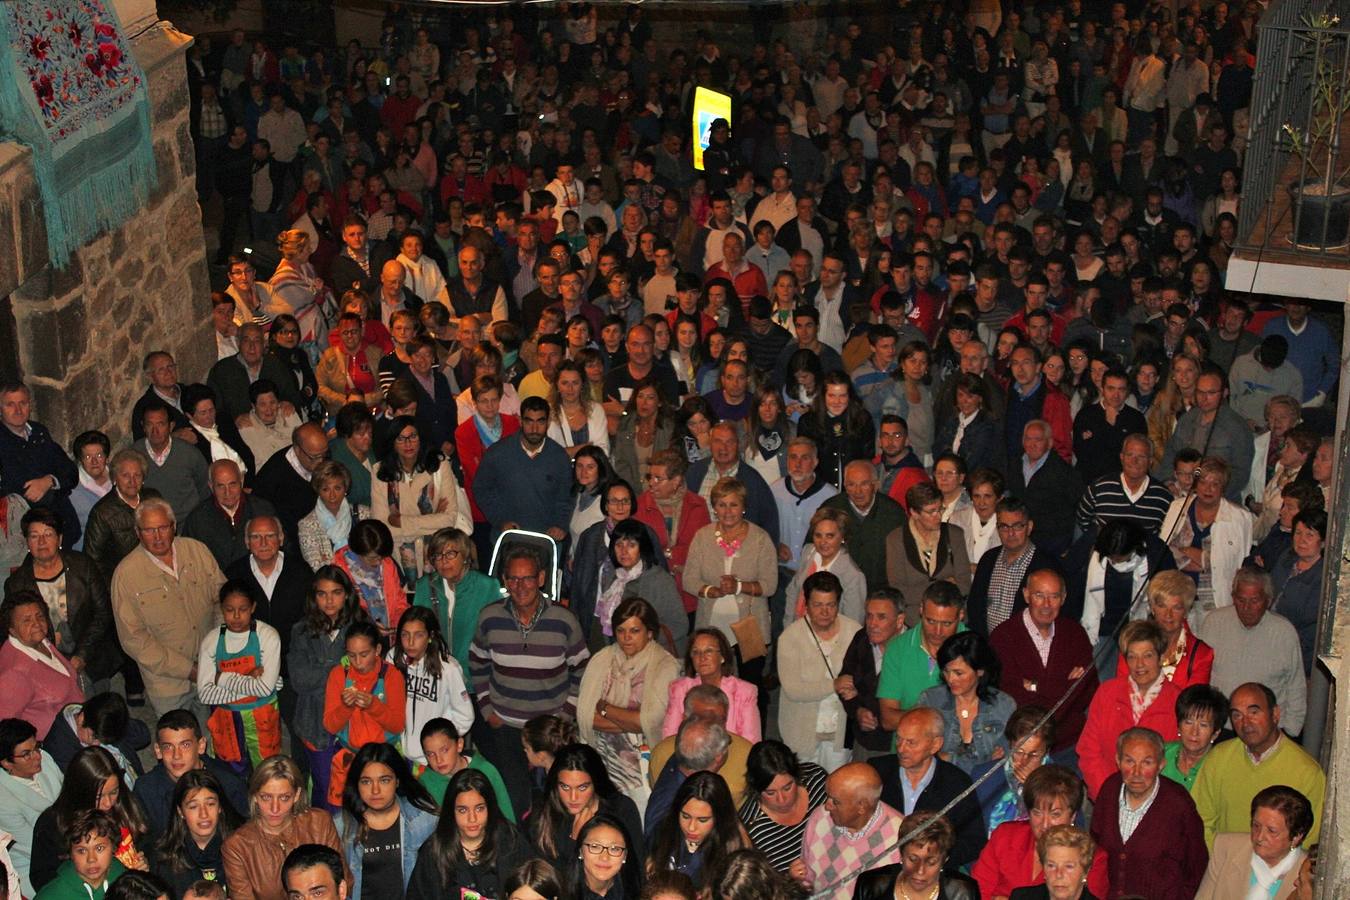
1132	495
526	660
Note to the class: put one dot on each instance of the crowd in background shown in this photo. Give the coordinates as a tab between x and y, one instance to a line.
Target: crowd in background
894	503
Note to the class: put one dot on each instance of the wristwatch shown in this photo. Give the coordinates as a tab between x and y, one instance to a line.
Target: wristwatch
603	709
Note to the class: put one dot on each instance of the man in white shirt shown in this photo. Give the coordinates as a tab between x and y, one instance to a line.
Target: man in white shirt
780	205
831	298
566	190
283	129
828	89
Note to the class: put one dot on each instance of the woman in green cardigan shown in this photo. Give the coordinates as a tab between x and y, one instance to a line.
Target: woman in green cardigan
456	585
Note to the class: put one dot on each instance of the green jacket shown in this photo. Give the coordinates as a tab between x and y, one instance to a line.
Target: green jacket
475	591
436	783
69	886
360	490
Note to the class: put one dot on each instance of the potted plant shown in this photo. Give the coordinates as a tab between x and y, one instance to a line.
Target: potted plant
1321	196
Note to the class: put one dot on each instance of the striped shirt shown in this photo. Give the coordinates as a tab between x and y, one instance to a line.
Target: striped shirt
783	843
1106	500
521	673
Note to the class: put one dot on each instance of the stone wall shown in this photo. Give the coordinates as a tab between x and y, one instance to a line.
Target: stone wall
82	331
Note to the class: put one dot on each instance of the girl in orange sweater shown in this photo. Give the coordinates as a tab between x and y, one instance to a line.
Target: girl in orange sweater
364	701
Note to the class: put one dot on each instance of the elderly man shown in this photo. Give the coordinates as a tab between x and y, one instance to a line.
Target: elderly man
359	265
701	745
1236	771
177	469
232	376
278	580
1050	487
32	463
796	496
1147	825
916	778
1252	644
871	516
393	295
526	660
851	832
219	523
860	675
160	368
1131	494
1215	429
525	481
725	462
284	479
1001	573
909	665
472	292
1045	654
164	603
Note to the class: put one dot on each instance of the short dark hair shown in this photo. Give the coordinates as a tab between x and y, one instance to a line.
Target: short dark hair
534	405
91	821
14	732
824	583
85	438
136	885
179	720
307	856
1203	698
107	716
1292	804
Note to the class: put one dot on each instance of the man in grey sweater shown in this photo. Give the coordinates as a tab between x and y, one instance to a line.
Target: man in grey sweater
177	469
1215	429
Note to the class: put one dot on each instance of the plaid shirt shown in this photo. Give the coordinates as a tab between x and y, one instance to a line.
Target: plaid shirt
211	121
1003	584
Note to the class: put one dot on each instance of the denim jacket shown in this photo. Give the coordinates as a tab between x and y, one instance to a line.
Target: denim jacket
986	732
415	826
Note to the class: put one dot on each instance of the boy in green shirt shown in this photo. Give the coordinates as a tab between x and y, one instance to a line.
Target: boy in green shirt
91	839
444	750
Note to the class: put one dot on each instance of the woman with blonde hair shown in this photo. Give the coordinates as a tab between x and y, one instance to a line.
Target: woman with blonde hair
296	282
1209	536
826	552
1186	660
280	818
1065	853
1176	397
575	420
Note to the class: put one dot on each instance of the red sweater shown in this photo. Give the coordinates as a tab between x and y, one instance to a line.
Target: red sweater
693	516
1028	681
1165	858
470	448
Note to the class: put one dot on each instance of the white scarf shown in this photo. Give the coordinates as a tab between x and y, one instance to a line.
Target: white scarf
220	449
611	595
961	423
336	525
1265	879
1094	593
89	484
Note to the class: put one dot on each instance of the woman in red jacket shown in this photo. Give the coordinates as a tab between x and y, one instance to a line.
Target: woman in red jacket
674	512
1053	796
1186	660
474	435
1146	699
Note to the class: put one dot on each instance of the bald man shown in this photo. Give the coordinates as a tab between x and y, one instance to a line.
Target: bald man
853	831
394	294
284	479
917	778
219	522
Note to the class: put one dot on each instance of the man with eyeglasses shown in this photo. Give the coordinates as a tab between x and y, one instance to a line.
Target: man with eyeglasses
219	523
1001	573
164	603
284	479
1215	429
278	578
30	781
526	660
1044	654
161	370
253	300
232	376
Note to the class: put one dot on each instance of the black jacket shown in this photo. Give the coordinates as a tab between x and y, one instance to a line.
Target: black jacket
208	524
859	663
287	605
1052	499
489	881
292	496
88	610
760	507
879	884
948	781
177	418
981	445
62	742
22	460
155	791
345	273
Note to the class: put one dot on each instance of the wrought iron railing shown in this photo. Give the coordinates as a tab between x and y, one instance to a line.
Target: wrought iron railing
1301	89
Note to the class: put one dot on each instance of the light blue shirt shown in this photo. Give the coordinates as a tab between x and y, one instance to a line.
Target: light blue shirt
912	794
1029	468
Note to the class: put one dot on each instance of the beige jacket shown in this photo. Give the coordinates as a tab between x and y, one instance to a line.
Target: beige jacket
161	621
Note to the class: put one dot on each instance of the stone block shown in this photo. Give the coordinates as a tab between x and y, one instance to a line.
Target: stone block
187	155
127	275
9	261
165	167
52	339
33	255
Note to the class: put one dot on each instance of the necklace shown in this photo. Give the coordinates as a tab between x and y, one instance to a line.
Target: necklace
904	894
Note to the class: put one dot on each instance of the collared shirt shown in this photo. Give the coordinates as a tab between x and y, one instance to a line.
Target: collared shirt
831	322
841	831
1270	751
171	571
267	582
1042	643
156	457
175	399
1130	818
48	659
294	460
1005	583
1029	468
912	792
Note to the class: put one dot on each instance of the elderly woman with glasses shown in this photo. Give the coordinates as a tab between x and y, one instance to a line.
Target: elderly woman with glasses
455	590
1209	536
711	661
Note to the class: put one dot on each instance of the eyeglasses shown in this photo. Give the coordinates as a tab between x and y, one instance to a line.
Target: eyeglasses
615	850
1011	526
520	579
25	754
156	529
406	439
446	556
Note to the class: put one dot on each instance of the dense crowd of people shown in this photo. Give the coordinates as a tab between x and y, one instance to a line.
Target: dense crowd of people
895	505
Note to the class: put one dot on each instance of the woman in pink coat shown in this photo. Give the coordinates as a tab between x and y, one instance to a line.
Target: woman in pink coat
39	681
709	660
1146	699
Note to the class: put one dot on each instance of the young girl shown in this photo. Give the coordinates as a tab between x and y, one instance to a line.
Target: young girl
238	670
433	679
189	850
317	645
364	701
368	561
386	817
443	746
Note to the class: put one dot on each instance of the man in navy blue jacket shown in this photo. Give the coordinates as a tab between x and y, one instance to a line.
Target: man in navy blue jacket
525	481
33	464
